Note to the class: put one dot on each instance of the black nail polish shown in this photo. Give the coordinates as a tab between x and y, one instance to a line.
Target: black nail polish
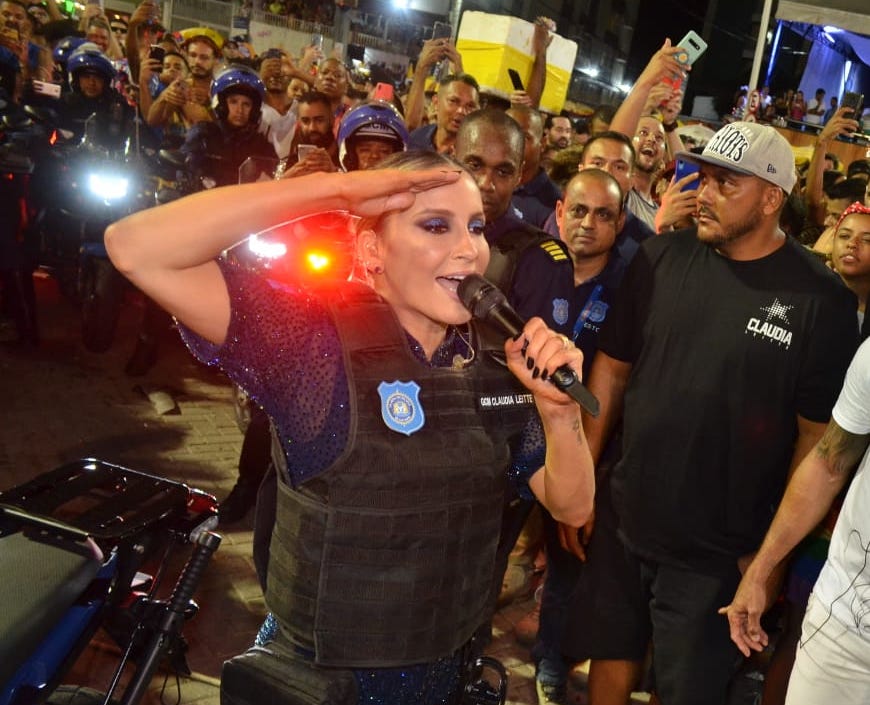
544	375
535	373
530	362
525	347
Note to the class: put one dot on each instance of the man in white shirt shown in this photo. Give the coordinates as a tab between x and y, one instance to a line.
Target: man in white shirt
816	108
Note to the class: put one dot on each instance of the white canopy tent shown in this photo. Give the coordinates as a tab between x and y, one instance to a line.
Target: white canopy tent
852	16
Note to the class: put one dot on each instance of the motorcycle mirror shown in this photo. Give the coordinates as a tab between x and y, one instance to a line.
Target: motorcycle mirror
173	156
41	114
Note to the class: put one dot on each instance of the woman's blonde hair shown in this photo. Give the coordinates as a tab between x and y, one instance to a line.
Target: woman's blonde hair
413	160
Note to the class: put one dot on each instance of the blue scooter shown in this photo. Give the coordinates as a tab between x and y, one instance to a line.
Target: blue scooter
72	543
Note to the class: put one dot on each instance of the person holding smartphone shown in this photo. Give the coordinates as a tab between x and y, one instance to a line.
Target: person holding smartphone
156	75
314	147
435	52
279	120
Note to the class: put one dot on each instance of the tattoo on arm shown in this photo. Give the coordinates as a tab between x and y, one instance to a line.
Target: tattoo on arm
840	449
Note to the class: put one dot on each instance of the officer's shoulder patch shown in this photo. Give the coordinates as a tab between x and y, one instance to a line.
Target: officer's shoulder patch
554	250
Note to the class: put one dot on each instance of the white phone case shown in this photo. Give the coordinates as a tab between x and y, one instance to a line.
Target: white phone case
693	46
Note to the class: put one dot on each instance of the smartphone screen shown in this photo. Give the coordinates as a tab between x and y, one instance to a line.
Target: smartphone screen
854	101
442	30
516	81
156	52
303	150
317	41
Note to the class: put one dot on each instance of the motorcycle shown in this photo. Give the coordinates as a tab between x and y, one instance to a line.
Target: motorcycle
72	544
79	188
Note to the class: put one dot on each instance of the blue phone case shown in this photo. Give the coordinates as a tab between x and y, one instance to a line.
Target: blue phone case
685	168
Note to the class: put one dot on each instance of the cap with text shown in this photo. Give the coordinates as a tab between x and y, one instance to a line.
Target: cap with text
752	149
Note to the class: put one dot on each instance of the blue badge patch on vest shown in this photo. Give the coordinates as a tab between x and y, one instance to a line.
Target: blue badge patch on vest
598	312
560	311
400	406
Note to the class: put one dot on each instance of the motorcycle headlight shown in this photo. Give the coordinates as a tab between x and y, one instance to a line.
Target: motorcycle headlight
108	187
267	249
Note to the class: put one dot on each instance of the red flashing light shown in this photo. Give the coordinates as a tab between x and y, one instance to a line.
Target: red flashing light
318	261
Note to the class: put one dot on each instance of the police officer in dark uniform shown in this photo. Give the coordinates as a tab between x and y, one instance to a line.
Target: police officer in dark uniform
532	268
215	150
93	108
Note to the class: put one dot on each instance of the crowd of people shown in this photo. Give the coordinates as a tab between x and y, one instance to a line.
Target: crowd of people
405	462
787	105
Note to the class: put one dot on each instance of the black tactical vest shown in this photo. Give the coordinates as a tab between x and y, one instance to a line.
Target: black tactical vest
387	557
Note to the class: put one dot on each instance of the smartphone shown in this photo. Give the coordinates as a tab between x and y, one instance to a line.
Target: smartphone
317	41
442	30
156	52
855	101
683	169
383	91
303	150
516	81
52	90
692	47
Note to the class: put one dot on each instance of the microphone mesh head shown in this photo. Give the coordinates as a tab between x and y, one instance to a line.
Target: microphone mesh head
479	295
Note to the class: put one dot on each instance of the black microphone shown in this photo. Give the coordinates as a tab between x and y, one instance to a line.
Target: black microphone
488	304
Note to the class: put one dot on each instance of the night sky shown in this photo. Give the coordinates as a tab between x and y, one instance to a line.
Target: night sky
722	69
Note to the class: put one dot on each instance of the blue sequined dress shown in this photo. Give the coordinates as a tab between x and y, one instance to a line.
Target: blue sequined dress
283	349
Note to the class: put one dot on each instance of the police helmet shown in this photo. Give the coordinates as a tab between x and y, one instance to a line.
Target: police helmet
65	47
86	59
374	120
237	79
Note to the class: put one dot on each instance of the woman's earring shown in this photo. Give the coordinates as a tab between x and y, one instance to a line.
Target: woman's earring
376	269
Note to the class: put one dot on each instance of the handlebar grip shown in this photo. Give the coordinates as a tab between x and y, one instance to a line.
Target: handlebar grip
206	544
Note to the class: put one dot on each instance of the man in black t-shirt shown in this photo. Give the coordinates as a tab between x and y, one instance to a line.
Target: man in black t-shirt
724	353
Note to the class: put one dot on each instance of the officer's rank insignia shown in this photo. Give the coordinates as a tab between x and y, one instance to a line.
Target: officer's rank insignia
560	311
400	406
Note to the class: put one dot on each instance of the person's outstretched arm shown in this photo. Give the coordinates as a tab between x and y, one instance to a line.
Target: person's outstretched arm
841	124
662	65
815	483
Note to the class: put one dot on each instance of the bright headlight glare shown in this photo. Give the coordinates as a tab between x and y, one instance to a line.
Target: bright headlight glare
109	187
266	248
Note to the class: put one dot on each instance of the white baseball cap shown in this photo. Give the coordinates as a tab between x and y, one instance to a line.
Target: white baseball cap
750	148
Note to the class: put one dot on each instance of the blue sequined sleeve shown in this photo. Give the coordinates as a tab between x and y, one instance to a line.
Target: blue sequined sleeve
283	350
528	452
